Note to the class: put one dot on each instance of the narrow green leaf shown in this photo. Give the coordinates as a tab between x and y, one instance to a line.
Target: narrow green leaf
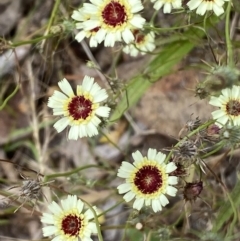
159	67
226	210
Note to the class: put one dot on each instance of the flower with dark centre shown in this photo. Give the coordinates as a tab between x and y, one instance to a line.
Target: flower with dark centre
115	18
69	221
81	111
71	225
80	107
233	107
229	106
114	14
148	179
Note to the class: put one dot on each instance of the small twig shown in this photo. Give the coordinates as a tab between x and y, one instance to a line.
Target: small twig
34	116
233	24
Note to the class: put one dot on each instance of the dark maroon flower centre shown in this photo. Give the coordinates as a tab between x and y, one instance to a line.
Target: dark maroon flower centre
139	37
71	225
233	107
148	179
80	107
114	14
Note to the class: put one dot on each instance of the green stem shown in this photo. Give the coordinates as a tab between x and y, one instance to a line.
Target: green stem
153	18
64	174
218	147
32	41
9	97
150	27
96	220
227	36
54	11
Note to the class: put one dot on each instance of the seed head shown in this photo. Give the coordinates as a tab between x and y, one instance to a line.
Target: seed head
192	190
193	124
186	150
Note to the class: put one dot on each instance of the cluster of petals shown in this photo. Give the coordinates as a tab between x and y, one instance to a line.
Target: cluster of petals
229	106
81	111
148	180
109	21
143	43
68	221
201	5
207	5
167	5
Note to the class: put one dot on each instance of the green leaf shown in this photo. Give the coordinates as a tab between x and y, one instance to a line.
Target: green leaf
226	210
160	66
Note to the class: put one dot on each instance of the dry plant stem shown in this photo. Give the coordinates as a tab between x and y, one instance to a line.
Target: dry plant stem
218	162
17	86
50	22
44	153
65	174
234	24
91	57
135	127
25	205
46	137
35	124
22	167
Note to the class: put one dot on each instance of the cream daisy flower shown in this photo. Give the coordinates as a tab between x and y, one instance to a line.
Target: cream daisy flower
167	5
114	18
229	106
142	44
68	221
148	180
79	111
207	5
81	16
